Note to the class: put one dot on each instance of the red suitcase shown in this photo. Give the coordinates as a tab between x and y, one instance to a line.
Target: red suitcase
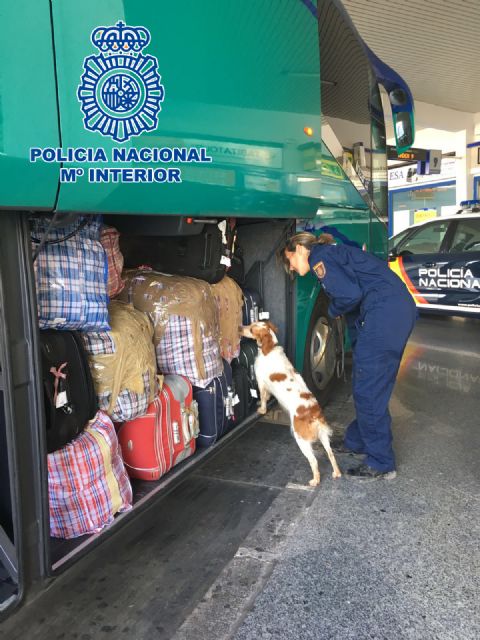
154	443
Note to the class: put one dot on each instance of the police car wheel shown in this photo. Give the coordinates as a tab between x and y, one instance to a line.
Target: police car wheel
321	352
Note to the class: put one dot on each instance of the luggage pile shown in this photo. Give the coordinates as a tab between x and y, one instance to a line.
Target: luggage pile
140	367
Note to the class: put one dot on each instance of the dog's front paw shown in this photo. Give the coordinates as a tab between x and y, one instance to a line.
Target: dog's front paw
262	410
314	482
336	474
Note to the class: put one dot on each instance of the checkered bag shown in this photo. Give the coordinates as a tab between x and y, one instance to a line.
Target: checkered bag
110	242
130	405
185	318
123	363
87	482
175	352
71	276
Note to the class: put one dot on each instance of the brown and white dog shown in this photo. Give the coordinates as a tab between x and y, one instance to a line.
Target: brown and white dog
276	376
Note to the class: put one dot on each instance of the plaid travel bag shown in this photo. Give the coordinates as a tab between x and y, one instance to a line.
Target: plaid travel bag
123	363
71	275
87	481
185	318
109	238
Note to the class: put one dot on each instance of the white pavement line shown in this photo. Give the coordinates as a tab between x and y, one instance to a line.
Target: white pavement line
299	487
290	486
262	556
453	352
244	483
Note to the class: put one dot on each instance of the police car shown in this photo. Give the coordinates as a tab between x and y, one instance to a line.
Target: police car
439	261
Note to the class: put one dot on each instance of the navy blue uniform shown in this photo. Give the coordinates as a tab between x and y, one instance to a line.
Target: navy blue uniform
380	314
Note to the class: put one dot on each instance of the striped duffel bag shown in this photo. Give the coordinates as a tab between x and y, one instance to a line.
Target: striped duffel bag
70	275
87	481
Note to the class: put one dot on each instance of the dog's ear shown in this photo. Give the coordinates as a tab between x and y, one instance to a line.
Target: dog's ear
271	326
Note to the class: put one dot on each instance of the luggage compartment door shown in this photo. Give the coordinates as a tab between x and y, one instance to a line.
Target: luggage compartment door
23	496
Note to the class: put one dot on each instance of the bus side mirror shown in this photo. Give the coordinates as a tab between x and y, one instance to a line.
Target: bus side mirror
403	125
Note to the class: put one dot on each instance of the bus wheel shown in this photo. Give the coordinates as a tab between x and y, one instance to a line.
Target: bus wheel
322	351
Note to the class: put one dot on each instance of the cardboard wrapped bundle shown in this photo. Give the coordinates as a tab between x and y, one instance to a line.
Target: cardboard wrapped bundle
185	318
123	363
229	300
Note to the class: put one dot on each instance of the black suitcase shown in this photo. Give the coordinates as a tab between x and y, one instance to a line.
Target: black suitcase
237	267
246	358
200	256
70	400
242	405
215	408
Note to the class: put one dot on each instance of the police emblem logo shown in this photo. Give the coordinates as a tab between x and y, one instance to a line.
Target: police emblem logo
319	269
120	91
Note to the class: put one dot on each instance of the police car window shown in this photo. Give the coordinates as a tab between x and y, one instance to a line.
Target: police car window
397	239
428	239
467	236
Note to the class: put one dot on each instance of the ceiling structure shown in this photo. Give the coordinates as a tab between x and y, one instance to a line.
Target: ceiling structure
432	44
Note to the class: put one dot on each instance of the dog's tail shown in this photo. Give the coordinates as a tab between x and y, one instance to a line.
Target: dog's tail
324	430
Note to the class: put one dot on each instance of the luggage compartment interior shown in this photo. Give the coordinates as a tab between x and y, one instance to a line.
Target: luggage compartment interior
258	240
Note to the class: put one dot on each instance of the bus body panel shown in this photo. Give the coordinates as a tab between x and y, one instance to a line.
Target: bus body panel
28	105
229	86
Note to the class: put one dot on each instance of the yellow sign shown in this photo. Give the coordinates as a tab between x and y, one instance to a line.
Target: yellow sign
421	215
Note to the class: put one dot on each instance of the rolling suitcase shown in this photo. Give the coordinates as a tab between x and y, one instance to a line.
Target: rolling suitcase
242	399
215	407
69	394
198	256
246	359
237	267
154	443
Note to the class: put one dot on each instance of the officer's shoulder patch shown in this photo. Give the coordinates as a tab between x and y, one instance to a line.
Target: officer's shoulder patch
319	269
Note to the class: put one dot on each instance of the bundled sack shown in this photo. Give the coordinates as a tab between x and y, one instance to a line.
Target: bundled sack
122	362
87	481
71	275
229	300
186	324
109	238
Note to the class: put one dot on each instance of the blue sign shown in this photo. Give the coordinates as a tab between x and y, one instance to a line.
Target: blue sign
120	91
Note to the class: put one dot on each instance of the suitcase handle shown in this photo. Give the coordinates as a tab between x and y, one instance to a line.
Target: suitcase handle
207	254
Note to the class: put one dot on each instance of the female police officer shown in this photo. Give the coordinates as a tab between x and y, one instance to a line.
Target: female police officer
380	314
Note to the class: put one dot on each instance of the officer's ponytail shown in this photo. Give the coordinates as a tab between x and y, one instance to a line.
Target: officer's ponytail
305	239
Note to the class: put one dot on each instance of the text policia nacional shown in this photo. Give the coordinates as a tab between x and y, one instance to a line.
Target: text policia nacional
120	155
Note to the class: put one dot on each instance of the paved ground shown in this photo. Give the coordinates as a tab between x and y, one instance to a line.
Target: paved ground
244	551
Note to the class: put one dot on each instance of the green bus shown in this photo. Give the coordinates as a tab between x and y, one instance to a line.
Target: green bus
279	110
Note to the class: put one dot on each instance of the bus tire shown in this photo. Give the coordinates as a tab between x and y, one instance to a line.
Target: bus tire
323	350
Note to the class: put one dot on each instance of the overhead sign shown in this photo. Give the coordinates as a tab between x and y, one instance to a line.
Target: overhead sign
412	155
407	176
